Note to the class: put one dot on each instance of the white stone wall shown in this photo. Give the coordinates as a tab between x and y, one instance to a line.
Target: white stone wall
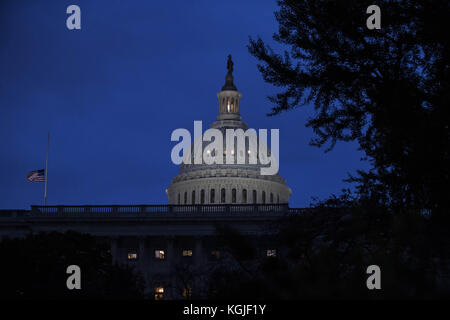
279	191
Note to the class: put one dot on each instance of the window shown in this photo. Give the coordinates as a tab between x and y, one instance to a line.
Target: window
179	199
215	254
222	196
233	195
187	292
202	196
185	198
271	253
187	253
160	254
278	198
212	195
254	196
244	196
132	256
271	197
263	197
159	293
193	197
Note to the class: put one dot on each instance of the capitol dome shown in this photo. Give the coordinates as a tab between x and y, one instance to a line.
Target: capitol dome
227	183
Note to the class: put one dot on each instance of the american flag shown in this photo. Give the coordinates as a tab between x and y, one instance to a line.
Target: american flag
36	175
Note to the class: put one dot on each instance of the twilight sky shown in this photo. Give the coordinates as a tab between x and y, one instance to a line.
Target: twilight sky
111	94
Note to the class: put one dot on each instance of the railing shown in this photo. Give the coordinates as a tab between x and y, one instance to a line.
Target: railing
164	210
4	213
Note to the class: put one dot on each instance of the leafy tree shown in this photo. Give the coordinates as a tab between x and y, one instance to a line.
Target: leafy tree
388	89
36	268
326	250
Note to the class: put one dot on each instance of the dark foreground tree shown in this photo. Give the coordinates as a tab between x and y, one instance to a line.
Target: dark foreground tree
325	251
388	89
35	267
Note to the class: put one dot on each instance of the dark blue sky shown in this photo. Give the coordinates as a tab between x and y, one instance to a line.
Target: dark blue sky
111	94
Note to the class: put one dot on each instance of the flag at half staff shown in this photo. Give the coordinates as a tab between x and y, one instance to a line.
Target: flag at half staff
36	175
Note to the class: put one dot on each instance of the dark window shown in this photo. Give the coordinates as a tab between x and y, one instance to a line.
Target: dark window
263	197
244	196
178	198
222	196
254	196
193	197
202	196
212	195
185	198
187	292
271	197
215	254
233	195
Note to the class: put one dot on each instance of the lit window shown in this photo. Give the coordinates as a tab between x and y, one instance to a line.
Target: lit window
271	252
159	293
187	253
160	254
187	292
132	255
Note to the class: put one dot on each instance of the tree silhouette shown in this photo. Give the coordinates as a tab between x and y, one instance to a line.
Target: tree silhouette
37	266
387	89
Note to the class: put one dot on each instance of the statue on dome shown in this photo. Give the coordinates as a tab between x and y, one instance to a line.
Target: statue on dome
230	64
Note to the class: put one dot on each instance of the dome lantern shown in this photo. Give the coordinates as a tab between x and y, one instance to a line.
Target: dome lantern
229	98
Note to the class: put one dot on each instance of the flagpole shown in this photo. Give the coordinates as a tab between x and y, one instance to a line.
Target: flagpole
46	169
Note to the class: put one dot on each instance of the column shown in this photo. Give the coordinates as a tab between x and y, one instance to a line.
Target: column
113	248
198	251
170	254
141	253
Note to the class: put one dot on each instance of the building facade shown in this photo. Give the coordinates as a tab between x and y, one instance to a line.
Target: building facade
176	246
